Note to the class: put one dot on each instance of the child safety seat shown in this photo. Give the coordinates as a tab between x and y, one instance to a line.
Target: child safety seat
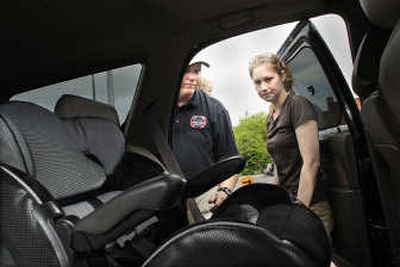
55	211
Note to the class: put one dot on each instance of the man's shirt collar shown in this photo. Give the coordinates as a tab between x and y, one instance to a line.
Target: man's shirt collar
194	101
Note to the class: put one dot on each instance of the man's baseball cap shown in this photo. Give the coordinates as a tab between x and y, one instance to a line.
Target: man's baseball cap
199	64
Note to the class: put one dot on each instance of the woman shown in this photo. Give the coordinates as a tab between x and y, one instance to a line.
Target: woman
292	135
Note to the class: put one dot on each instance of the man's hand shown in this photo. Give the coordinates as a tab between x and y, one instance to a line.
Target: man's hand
216	200
224	190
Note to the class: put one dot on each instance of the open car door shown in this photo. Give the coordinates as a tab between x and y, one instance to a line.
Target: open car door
345	162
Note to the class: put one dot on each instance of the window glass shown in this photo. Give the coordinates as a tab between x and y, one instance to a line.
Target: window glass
115	87
333	31
311	82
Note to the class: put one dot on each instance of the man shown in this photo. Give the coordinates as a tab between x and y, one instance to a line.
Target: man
202	132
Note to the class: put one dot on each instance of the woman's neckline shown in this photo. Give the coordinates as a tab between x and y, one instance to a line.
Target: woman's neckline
275	117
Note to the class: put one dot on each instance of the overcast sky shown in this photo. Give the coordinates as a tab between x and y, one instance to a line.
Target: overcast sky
229	62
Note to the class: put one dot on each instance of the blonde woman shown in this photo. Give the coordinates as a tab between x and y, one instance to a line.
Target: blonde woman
292	135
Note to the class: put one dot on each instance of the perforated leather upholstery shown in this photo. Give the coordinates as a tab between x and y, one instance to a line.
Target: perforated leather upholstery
40	140
59	168
25	228
257	226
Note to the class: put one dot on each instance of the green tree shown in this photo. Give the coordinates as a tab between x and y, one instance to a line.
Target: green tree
250	135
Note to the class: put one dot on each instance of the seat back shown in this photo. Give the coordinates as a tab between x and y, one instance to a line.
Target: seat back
38	165
95	126
28	234
99	139
35	141
381	117
47	162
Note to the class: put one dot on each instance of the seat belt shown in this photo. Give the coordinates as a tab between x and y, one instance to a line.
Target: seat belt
167	156
145	153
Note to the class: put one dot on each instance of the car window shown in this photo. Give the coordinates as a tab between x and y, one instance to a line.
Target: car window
311	82
228	60
228	73
115	87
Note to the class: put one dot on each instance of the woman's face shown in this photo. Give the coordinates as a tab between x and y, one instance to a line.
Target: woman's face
268	83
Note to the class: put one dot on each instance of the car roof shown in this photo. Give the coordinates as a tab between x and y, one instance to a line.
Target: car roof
45	42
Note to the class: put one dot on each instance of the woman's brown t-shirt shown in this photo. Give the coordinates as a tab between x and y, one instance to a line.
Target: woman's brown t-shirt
283	147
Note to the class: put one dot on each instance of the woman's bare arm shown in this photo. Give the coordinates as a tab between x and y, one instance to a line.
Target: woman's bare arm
307	138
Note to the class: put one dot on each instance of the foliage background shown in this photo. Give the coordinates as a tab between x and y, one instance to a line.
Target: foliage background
250	135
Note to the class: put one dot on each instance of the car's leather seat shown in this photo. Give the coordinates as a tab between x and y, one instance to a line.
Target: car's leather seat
258	225
137	163
249	221
46	167
381	111
47	163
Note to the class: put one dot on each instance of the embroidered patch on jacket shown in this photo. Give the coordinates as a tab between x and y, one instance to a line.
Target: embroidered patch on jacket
198	122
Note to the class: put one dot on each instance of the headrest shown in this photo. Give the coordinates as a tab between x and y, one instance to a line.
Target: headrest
70	106
389	78
384	13
366	64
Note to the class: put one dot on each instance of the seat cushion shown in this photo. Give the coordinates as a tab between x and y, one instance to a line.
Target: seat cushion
83	208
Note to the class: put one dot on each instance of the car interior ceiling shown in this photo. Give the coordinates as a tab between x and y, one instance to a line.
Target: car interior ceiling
108	53
163	59
95	182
